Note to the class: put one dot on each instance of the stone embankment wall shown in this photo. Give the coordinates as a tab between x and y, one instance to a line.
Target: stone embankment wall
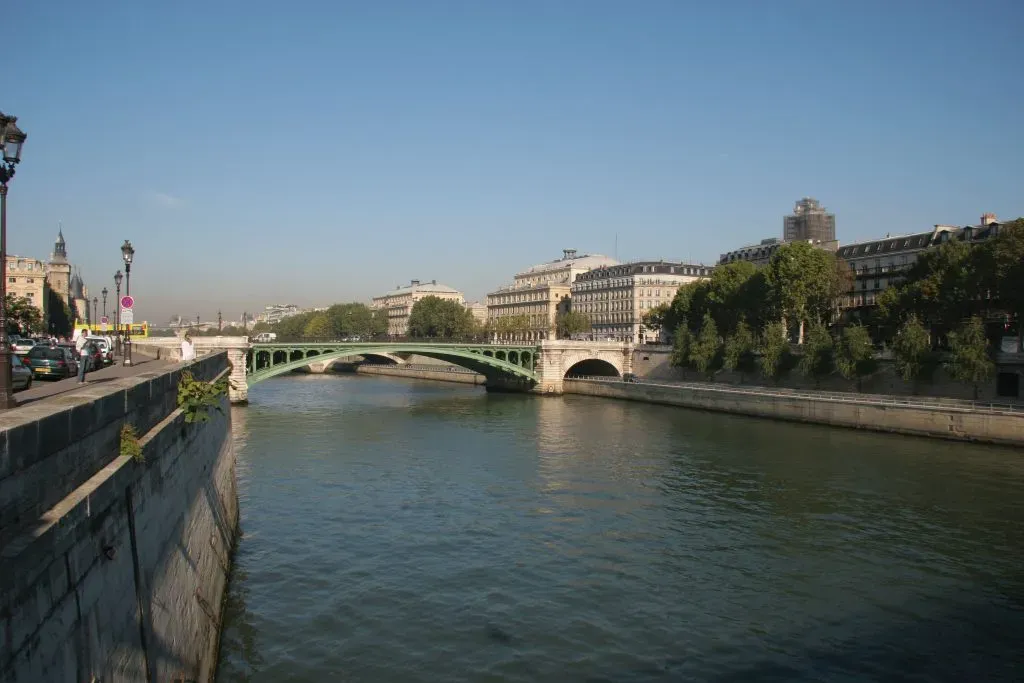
114	570
945	422
654	363
441	374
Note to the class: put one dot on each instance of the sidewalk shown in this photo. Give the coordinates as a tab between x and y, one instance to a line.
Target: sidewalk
42	389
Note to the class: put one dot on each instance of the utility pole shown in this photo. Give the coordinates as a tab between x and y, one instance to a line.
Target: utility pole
220	322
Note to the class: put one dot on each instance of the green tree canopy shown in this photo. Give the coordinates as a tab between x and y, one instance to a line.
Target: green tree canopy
704	349
805	283
969	360
816	361
319	327
22	315
570	323
774	344
1001	263
682	340
855	355
436	318
738	351
911	348
351	320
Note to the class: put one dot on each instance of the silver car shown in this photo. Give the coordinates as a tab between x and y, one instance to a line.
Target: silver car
21	375
22	345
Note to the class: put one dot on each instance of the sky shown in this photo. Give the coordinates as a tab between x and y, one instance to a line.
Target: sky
314	152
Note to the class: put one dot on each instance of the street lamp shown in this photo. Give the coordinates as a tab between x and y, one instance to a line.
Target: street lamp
128	253
104	293
11	140
95	305
117	310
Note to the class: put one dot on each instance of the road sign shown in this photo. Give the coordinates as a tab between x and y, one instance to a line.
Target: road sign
104	320
127	301
127	316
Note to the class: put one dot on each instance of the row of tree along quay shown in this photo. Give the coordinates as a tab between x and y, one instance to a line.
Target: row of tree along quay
25	318
431	318
951	310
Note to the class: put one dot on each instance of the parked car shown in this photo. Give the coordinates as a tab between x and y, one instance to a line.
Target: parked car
22	345
21	376
51	362
106	348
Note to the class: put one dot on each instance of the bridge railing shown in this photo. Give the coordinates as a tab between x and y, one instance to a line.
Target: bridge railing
923	402
379	339
427	367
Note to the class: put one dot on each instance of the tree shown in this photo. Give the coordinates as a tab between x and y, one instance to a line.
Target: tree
509	326
774	345
571	322
688	306
738	353
292	327
379	322
704	349
816	361
911	348
351	320
261	326
319	327
1001	261
22	315
682	340
656	319
805	283
729	294
969	360
855	354
436	318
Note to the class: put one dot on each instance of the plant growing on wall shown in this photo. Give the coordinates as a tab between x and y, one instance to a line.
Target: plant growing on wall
196	397
130	446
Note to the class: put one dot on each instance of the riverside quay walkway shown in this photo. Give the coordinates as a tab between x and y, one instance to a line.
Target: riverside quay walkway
43	389
997	423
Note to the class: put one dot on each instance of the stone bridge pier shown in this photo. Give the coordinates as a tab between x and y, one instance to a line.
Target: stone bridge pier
557	358
237	348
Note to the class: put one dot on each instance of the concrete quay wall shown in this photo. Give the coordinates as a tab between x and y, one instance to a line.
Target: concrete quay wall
939	421
439	375
121	577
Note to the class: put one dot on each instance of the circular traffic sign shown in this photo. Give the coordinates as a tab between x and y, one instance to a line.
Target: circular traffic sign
104	320
127	301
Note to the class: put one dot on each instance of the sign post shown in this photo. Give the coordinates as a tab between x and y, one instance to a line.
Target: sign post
103	323
127	318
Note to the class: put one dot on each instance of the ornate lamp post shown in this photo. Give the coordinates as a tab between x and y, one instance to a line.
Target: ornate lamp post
11	140
127	253
220	322
117	310
104	293
95	305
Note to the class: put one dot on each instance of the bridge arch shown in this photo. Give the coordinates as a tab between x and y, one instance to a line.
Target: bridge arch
598	367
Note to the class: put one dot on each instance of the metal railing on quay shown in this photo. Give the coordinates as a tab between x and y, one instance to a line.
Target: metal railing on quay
926	403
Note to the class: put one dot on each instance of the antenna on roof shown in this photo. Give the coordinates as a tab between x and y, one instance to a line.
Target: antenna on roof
615	254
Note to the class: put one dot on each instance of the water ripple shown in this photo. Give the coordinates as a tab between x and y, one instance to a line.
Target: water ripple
401	531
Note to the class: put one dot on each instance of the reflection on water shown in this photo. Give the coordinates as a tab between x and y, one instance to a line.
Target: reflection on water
402	531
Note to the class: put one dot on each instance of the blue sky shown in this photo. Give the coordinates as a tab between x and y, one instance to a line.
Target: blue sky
314	152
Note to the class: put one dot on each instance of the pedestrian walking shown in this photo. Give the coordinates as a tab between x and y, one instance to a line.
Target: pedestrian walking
82	348
188	349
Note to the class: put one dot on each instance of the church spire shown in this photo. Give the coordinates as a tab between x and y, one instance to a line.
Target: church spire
60	249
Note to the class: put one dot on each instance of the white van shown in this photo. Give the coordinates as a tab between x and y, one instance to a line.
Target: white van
265	337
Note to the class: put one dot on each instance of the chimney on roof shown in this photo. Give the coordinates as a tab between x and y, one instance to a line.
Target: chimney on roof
415	283
568	254
988	219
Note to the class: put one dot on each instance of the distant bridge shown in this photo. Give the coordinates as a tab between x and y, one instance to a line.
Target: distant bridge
538	367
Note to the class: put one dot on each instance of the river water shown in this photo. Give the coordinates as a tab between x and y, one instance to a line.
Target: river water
402	531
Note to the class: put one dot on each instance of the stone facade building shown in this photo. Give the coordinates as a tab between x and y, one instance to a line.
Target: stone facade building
44	284
540	294
479	311
26	277
399	302
881	263
616	298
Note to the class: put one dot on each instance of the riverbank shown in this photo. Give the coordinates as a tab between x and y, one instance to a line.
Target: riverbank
438	373
954	420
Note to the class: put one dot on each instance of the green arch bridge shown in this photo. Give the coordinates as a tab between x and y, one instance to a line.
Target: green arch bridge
493	361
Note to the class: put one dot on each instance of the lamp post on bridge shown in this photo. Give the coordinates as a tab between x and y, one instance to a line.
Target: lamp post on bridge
127	253
117	310
11	140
